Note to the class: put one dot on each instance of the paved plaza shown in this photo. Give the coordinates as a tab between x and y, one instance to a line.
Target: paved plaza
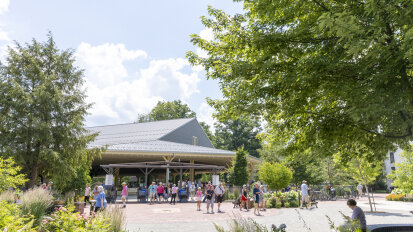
184	217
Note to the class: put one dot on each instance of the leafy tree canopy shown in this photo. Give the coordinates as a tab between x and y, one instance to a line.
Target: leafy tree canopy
322	73
168	110
238	173
276	175
403	176
42	111
10	176
232	134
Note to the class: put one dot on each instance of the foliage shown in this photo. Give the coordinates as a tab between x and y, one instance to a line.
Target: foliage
125	179
10	176
349	226
305	166
41	88
208	132
278	200
35	202
403	176
276	175
12	220
206	177
319	72
8	196
332	174
233	134
245	224
168	110
66	220
115	217
238	173
395	197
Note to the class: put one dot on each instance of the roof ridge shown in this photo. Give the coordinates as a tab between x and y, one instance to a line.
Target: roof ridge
119	124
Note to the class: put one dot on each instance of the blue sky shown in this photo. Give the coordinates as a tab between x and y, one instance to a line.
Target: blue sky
133	51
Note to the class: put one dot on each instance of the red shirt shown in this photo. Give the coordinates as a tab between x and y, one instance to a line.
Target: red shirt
160	189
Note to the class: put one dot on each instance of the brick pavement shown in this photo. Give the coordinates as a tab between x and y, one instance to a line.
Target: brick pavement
184	217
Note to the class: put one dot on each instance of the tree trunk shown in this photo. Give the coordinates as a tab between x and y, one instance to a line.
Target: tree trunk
368	196
33	175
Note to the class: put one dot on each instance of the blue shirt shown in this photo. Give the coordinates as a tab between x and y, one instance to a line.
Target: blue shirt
100	196
153	188
256	191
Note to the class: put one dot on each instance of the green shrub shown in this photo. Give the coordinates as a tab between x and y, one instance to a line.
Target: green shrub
293	204
236	193
287	204
12	220
66	220
35	202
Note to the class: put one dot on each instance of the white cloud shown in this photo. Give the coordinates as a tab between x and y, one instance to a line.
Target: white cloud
205	112
208	35
118	95
4	6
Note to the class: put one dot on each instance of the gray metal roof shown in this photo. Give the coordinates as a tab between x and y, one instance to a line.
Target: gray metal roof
135	132
145	137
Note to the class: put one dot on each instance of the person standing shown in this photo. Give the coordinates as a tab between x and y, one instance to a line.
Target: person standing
199	198
219	194
244	198
360	189
124	194
358	214
304	193
166	192
87	193
262	199
160	191
207	186
210	198
174	191
256	191
152	192
101	202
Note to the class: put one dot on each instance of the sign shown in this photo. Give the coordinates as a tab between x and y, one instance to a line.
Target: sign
109	179
215	180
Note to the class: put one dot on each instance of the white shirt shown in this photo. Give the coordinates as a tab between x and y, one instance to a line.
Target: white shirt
87	191
219	190
304	190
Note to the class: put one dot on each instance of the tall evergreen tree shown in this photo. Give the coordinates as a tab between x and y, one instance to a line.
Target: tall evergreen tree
42	111
239	171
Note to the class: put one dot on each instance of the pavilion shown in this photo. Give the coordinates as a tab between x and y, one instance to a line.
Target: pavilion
160	148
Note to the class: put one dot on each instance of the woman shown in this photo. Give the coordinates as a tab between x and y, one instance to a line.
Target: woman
199	198
101	202
262	200
166	192
257	193
244	198
210	198
95	192
173	192
87	193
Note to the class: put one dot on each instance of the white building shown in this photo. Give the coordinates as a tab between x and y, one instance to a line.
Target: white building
390	163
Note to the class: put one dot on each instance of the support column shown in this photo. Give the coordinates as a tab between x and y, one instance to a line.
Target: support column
168	159
180	178
146	177
116	182
192	172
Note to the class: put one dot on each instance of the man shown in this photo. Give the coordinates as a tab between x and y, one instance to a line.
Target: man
304	193
160	191
358	214
219	194
87	193
256	191
124	194
360	189
152	192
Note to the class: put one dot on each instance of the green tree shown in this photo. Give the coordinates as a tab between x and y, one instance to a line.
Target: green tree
165	110
403	175
238	173
276	175
362	170
208	132
232	134
42	110
10	176
323	74
305	166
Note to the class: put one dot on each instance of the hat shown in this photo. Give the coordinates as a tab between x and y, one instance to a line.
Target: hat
123	182
244	186
304	181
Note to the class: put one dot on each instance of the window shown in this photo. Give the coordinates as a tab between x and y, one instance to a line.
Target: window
393	168
392	157
194	140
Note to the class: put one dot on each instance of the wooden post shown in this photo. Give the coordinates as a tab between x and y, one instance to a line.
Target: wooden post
180	178
146	177
191	172
116	182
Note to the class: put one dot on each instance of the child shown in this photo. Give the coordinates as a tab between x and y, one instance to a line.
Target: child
199	198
